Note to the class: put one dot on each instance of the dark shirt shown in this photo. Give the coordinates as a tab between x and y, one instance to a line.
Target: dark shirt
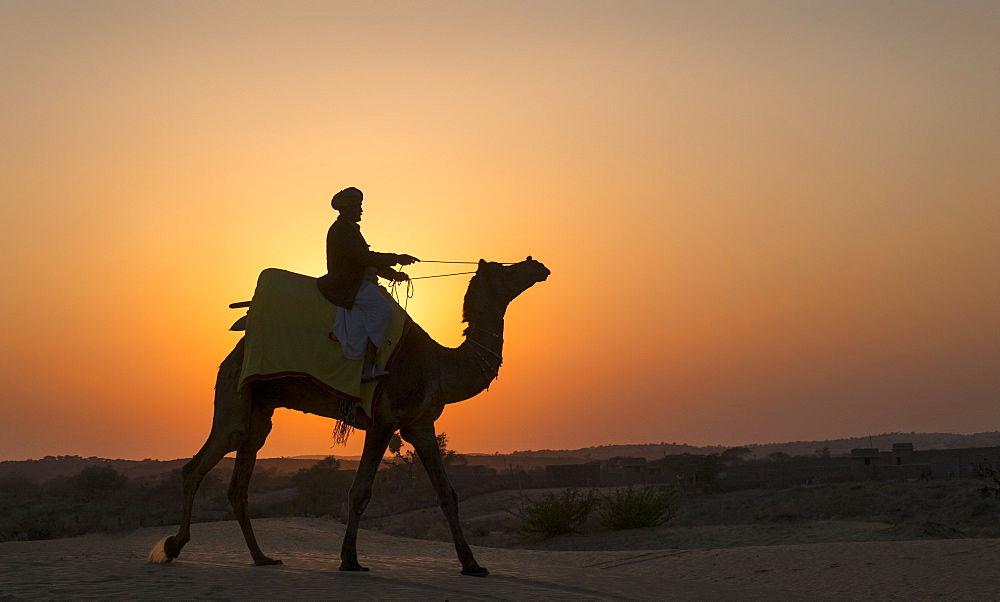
347	257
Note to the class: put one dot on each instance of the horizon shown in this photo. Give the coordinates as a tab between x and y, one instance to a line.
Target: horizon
573	449
763	221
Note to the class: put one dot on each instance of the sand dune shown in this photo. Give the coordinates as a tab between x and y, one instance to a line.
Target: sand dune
216	565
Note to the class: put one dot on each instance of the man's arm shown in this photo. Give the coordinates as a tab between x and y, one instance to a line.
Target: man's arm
391	274
351	244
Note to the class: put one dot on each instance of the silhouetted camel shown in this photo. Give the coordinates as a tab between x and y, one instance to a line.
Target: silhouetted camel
425	377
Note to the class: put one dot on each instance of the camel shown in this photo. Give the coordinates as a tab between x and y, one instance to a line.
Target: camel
424	378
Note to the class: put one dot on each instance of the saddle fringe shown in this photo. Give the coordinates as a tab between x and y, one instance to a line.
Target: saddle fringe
343	429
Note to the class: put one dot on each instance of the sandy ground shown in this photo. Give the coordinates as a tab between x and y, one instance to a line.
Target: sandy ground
216	565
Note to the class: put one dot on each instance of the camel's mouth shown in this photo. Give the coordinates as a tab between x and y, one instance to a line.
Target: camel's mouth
529	272
541	273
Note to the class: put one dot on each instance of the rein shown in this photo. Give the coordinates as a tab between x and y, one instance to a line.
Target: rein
469	262
440	275
408	294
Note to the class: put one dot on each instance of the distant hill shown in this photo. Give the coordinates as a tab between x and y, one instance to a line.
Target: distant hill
837	447
883	441
50	467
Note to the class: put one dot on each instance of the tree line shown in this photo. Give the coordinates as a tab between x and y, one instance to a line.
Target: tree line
100	498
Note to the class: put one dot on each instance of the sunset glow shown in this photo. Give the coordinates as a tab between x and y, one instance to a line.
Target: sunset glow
765	221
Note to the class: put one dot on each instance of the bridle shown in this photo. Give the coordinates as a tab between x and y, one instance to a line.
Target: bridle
489	369
493	372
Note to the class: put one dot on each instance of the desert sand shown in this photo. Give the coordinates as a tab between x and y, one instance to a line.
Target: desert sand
216	565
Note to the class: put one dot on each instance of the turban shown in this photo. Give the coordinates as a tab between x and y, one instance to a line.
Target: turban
346	198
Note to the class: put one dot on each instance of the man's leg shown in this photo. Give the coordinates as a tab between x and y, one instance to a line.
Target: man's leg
369	372
378	314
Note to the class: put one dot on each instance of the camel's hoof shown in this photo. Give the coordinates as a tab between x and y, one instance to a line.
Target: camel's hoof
161	552
265	561
475	571
352	566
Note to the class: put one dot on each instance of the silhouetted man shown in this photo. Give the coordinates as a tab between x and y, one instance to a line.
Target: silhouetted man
351	283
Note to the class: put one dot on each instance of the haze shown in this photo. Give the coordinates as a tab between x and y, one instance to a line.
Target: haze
765	221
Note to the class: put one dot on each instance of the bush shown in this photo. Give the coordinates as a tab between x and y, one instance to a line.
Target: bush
630	508
556	513
694	469
322	487
98	482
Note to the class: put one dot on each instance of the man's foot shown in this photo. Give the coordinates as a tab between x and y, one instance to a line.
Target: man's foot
373	375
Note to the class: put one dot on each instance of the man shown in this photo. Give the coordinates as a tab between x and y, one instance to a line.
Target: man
351	283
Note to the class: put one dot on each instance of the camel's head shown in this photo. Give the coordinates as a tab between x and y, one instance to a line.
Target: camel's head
509	281
498	284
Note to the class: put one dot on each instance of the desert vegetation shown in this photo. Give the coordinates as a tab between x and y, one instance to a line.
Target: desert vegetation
565	511
508	504
555	513
638	507
101	498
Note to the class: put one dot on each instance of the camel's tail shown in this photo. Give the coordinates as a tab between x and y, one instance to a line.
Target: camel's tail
158	555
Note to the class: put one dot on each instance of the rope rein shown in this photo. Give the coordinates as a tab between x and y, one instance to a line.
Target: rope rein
408	294
468	262
440	275
435	261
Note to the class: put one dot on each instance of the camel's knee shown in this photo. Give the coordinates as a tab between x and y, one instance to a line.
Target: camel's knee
238	486
359	500
191	477
236	494
448	499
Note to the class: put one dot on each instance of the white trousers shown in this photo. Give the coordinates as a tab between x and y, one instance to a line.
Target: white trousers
367	320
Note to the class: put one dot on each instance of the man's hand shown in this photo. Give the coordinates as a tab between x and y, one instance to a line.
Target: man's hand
406	259
400	277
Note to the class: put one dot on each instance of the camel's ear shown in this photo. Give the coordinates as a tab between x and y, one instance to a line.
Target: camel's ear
482	263
529	257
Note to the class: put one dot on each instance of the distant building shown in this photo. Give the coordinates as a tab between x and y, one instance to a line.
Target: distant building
903	462
902	453
573	475
960	463
476	470
623	470
900	463
865	463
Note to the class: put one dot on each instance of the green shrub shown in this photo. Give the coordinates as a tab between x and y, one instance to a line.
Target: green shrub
556	513
630	508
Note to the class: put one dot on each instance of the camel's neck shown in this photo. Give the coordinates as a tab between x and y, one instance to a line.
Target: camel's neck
476	361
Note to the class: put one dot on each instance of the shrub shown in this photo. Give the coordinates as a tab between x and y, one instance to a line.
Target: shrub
556	513
322	487
691	468
98	482
630	508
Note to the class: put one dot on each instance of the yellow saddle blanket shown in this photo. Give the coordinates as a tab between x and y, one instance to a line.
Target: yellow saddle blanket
289	332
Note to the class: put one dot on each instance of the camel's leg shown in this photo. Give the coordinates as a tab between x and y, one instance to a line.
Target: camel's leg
246	458
423	438
229	427
376	442
217	446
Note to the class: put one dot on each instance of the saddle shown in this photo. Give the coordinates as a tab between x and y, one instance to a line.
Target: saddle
288	333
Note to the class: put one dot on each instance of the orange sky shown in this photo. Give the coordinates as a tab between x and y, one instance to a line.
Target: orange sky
765	221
